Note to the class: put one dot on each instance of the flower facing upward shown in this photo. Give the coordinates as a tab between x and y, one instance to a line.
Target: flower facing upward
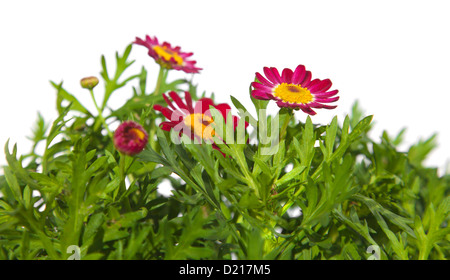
192	120
294	89
167	56
130	138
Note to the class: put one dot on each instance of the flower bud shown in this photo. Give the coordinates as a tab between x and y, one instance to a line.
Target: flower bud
89	82
130	138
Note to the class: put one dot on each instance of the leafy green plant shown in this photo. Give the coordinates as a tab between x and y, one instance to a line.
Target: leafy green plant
230	199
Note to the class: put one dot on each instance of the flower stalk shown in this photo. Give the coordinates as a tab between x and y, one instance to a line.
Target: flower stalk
100	114
288	115
122	174
159	81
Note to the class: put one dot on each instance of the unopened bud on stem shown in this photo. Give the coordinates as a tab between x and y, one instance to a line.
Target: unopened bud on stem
89	82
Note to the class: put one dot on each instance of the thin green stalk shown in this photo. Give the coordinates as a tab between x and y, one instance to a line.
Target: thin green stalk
287	120
159	81
122	174
248	176
100	114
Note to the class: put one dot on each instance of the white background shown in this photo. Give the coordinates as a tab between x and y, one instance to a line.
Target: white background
391	56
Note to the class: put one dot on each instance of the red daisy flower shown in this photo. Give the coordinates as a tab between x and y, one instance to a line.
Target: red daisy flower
130	138
167	56
294	89
193	120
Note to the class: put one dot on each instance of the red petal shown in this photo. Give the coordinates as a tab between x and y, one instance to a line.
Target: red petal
286	75
260	94
307	110
306	79
326	94
263	80
202	105
187	96
177	100
327	100
167	126
262	87
168	101
321	86
224	108
321	106
271	75
165	111
298	75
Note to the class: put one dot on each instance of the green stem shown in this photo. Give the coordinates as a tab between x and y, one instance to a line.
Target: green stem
159	81
248	176
122	174
100	114
287	120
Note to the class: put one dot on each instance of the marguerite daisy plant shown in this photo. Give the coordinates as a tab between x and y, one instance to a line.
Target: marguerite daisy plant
294	89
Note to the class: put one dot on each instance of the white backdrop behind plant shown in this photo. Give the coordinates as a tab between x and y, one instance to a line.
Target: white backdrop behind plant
391	56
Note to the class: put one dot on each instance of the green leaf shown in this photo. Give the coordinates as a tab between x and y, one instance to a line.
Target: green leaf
378	210
243	112
62	94
93	226
265	169
112	83
96	165
360	128
355	224
38	130
211	191
306	147
259	104
419	152
356	115
295	172
345	130
149	155
17	170
46	181
330	138
168	152
13	184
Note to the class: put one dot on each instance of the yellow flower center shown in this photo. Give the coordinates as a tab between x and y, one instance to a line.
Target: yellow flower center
200	125
167	54
138	133
293	93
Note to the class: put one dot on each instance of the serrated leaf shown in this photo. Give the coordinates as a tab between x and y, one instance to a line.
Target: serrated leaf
62	94
93	225
377	209
355	225
296	171
419	152
168	152
360	128
13	184
45	180
243	112
330	138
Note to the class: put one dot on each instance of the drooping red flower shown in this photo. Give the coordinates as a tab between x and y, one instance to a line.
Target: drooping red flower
167	56
130	138
294	89
193	120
